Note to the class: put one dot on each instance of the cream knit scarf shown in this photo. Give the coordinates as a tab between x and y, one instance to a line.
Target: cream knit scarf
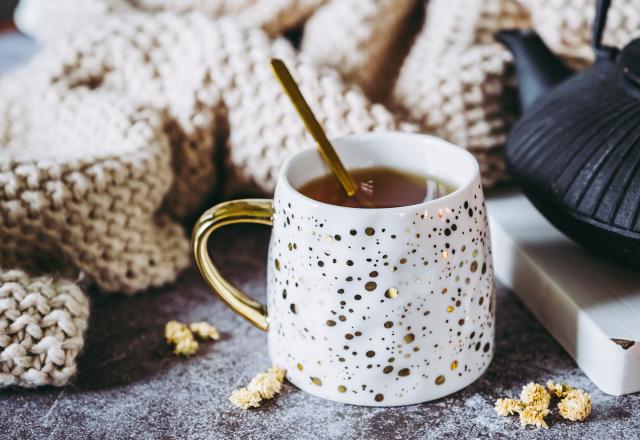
110	135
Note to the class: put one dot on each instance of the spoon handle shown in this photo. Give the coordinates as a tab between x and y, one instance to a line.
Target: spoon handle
313	126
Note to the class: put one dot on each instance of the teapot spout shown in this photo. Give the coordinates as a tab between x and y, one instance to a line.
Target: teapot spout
538	69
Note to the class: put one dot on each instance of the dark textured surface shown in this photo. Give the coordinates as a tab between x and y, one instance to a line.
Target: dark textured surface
130	385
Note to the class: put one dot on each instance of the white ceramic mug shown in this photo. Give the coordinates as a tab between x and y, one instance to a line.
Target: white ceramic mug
378	307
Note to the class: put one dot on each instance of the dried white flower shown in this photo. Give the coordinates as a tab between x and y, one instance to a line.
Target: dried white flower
506	407
175	331
245	399
204	330
266	384
277	372
263	386
186	346
534	404
576	405
558	389
179	335
533	415
534	394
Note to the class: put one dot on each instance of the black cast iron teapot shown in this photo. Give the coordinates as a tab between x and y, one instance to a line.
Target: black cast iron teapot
576	150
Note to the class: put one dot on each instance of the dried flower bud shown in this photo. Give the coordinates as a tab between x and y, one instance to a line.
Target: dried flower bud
576	405
204	330
534	394
277	372
534	404
263	386
505	407
179	334
533	415
266	384
559	390
175	331
244	398
186	346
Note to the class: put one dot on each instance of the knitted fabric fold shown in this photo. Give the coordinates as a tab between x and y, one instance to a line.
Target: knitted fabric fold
565	25
42	325
357	38
47	20
459	87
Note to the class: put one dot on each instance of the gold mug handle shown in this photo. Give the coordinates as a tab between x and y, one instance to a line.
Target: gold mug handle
228	213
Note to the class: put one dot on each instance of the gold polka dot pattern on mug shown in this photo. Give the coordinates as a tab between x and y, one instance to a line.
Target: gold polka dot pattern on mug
363	328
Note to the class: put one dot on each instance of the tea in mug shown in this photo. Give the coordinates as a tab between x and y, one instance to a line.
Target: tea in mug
378	187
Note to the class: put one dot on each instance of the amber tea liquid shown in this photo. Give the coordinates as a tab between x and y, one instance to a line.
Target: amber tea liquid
378	187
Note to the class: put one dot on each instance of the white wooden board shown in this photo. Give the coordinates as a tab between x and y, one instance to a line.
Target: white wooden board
590	306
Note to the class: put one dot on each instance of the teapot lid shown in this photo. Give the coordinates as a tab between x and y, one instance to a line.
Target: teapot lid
629	61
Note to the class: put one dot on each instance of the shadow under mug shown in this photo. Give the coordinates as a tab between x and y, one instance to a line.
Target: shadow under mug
378	307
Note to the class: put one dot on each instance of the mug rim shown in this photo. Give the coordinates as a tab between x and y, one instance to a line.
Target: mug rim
283	176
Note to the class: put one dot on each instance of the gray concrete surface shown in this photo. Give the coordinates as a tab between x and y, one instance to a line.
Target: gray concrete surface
130	385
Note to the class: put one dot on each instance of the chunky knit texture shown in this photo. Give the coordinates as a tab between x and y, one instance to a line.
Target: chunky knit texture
117	129
42	324
47	20
565	25
91	204
356	37
456	87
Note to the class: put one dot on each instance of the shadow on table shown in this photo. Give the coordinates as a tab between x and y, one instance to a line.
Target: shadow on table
125	341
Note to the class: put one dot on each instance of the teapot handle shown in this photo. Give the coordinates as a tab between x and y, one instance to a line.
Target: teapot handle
599	23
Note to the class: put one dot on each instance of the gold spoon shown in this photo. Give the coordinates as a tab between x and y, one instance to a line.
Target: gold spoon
327	151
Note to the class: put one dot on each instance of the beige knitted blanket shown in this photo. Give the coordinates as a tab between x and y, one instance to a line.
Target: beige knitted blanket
117	129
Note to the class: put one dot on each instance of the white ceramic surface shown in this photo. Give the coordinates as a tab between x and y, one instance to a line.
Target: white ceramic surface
382	307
